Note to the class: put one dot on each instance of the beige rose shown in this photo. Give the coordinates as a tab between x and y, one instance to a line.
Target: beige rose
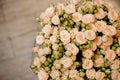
70	8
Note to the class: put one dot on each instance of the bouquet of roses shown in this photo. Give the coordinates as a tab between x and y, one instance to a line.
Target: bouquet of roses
78	41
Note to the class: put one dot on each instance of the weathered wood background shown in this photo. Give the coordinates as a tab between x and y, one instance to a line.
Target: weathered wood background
17	34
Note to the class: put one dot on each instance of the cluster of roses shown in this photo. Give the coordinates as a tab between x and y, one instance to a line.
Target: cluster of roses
78	41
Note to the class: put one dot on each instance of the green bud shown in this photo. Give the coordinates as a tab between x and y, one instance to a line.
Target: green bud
80	47
56	56
46	63
103	69
65	23
70	17
60	14
72	79
71	22
60	55
61	19
77	64
38	19
82	70
87	46
89	42
60	44
107	71
82	74
42	24
45	44
94	7
95	11
119	70
69	29
50	65
83	25
116	45
47	69
50	60
35	72
61	49
32	66
113	48
115	41
65	16
87	27
42	33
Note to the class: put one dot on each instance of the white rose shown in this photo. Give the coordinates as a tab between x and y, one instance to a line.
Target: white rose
55	20
55	46
36	61
75	1
50	11
53	39
113	15
64	36
73	73
88	53
88	18
54	74
76	17
47	50
90	35
41	52
90	73
99	75
70	8
42	59
100	25
44	17
110	54
60	7
42	75
55	31
47	29
80	38
40	39
72	48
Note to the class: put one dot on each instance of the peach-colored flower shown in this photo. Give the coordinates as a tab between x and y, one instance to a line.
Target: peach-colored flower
47	29
66	61
88	53
88	18
99	75
100	25
40	39
72	48
115	64
36	61
93	27
93	46
53	39
98	62
98	41
55	31
64	77
87	64
113	15
42	75
109	30
80	38
42	59
73	73
100	14
60	7
75	1
54	74
110	54
55	46
115	75
70	8
68	53
55	20
47	50
50	11
90	35
98	2
44	17
41	52
104	38
73	32
76	16
90	73
89	4
118	51
64	36
108	5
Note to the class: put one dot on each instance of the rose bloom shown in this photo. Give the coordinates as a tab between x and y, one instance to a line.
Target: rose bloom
60	7
88	18
54	74
55	31
50	11
73	73
98	41
68	53
41	52
118	51
119	40
47	29
64	77
110	54
40	39
98	2
42	75
66	72
98	62
66	61
115	75
113	15
44	17
36	61
70	8
47	50
72	48
55	20
90	35
76	17
90	73
75	1
108	5
99	75
93	46
89	4
64	36
104	38
87	64
88	53
55	46
109	30
73	32
53	39
80	38
116	64
100	14
42	59
93	27
100	25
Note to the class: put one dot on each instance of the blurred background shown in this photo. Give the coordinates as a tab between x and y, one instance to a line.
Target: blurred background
17	33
